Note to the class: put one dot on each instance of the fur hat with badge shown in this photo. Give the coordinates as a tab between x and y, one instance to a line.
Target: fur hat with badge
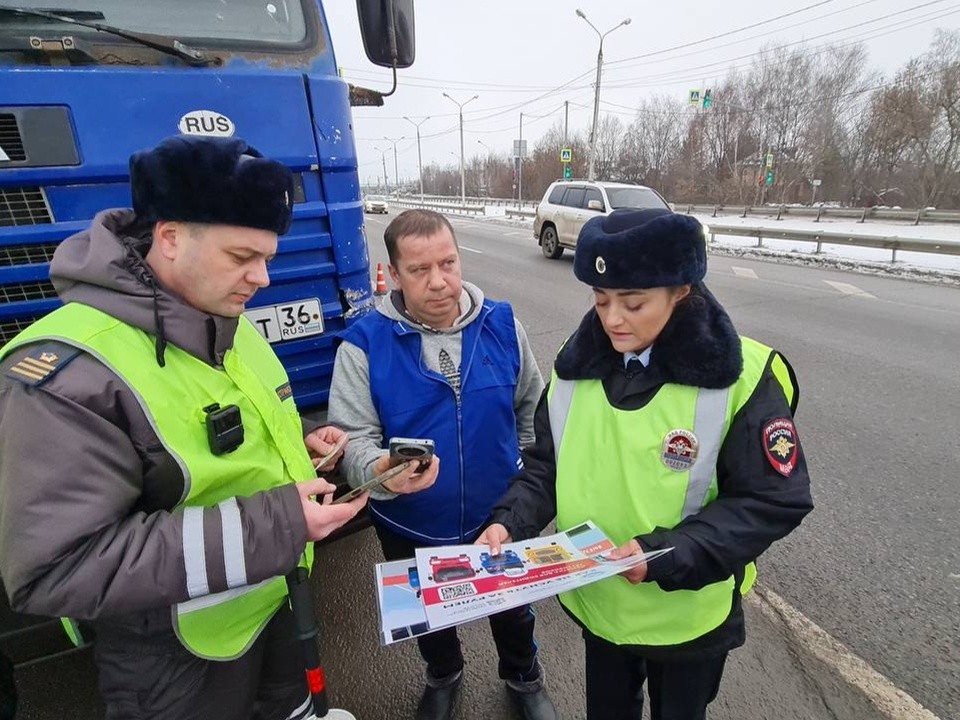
638	249
220	181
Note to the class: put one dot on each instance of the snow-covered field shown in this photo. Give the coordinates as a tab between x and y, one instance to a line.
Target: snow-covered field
912	265
873	256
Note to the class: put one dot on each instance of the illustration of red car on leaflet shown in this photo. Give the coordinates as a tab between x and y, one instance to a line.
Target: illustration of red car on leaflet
448	569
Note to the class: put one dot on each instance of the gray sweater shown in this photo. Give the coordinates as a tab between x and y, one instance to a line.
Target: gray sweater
351	406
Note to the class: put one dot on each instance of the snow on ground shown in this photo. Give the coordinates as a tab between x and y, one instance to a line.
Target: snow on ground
928	267
905	260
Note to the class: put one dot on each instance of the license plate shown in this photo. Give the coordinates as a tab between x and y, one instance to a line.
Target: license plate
287	321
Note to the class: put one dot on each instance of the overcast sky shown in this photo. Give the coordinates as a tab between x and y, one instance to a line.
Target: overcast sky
516	54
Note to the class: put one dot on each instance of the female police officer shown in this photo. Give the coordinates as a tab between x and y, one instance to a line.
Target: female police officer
668	430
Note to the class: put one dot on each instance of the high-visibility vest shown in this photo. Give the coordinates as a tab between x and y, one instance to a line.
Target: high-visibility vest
613	467
223	625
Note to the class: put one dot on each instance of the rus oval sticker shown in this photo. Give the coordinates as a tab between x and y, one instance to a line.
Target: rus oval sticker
206	122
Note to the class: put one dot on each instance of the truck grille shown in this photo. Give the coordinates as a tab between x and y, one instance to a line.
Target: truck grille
27	291
9	329
13	255
23	206
10	141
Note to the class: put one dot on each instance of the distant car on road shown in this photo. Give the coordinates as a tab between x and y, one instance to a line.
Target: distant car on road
376	204
568	204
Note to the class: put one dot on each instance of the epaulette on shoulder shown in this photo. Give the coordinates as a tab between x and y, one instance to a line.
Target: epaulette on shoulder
41	361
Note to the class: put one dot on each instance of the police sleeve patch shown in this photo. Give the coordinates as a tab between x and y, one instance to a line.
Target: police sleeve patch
780	445
41	363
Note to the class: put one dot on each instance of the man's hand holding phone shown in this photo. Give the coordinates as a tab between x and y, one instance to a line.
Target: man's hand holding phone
412	479
321	515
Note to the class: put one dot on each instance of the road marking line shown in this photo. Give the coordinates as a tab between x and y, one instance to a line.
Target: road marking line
890	701
744	272
469	249
848	289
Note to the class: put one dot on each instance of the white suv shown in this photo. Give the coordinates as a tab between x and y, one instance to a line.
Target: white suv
568	204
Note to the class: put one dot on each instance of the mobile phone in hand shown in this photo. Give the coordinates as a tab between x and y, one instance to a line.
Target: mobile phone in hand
374	482
419	449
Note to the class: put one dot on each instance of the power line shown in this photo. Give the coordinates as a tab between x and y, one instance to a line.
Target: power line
664	78
742	40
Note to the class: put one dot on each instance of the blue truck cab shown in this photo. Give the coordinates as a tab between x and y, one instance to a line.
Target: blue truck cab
85	83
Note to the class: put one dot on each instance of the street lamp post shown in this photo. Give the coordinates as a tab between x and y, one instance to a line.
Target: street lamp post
386	179
396	175
419	157
596	94
463	186
486	170
520	166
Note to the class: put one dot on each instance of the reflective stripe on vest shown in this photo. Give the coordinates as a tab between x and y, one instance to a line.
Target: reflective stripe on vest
223	625
598	450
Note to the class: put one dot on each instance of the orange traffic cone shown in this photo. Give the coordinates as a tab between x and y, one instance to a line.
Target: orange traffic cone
381	281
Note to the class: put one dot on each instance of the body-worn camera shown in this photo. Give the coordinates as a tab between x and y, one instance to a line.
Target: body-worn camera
421	449
224	428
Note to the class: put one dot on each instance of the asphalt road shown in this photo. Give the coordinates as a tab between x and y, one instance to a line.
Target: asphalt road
876	564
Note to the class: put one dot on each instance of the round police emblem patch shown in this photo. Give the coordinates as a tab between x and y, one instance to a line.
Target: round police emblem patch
781	446
680	449
601	265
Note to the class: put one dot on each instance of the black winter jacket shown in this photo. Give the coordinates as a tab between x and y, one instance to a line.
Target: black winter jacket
756	505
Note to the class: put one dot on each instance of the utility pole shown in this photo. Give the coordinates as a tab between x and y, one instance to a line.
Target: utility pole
520	166
396	175
419	157
596	94
566	120
386	179
463	190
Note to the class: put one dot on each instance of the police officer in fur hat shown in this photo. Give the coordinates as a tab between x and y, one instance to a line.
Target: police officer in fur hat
155	478
669	430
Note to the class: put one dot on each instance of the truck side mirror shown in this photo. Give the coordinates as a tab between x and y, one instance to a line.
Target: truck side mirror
387	29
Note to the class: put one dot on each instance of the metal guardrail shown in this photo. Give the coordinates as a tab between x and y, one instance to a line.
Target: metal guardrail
861	215
885	242
893	243
914	217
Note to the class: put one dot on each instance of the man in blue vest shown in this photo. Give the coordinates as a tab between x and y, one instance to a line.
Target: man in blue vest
155	478
438	361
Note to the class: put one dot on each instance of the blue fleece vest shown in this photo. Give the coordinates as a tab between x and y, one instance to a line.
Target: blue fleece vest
475	439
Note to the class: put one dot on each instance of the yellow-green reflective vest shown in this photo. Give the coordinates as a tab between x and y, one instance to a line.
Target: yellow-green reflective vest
218	626
611	469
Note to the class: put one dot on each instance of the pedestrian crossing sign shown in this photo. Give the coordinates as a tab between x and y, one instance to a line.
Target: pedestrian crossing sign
566	155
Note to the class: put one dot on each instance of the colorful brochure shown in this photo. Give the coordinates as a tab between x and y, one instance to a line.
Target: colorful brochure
455	584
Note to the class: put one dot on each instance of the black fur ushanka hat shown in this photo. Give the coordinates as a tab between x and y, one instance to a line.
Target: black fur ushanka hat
639	249
221	181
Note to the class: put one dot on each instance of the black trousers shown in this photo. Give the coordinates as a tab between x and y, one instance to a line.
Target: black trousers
151	676
615	677
512	630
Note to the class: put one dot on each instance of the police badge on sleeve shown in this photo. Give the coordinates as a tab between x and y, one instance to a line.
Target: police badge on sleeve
780	445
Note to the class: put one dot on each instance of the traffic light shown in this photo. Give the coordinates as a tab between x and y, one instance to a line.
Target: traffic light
707	102
567	173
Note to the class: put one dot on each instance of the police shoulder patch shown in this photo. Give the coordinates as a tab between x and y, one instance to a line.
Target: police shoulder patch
780	445
41	362
285	391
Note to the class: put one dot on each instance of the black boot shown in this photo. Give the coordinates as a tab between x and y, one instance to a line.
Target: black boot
531	700
440	697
